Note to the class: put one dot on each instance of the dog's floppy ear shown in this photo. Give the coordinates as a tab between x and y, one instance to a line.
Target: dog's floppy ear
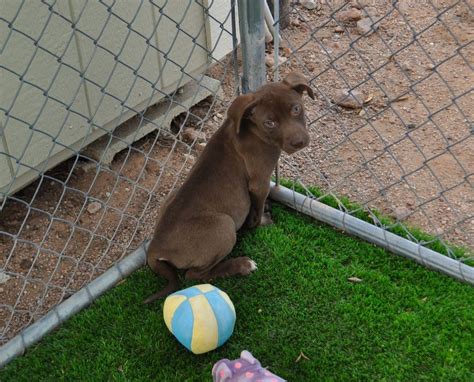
298	82
241	108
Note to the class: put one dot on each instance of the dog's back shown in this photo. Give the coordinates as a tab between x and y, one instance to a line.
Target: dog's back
216	184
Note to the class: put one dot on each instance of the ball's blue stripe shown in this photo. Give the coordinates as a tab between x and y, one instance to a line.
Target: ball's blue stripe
224	314
189	292
182	324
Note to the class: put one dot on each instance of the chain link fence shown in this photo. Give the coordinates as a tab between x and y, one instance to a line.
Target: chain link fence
97	128
107	104
392	123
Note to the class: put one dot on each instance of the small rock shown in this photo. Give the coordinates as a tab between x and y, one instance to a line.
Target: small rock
352	14
107	194
190	157
403	6
270	61
366	26
352	100
94	207
406	66
309	4
401	213
190	135
371	11
296	22
354	279
339	29
4	278
310	67
369	98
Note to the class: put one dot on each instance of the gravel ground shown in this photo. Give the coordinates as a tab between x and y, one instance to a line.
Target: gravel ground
407	147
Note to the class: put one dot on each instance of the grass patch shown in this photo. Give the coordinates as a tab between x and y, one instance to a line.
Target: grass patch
402	322
388	222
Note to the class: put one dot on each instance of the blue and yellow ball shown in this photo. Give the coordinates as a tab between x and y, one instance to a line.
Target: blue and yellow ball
202	317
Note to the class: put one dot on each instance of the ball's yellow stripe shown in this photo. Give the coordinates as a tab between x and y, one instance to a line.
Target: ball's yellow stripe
171	304
205	333
227	299
205	287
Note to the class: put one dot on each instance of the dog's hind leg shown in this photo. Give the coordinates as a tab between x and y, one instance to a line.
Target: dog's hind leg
167	271
238	266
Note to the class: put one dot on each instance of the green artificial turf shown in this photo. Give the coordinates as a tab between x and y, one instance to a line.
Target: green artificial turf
402	229
401	322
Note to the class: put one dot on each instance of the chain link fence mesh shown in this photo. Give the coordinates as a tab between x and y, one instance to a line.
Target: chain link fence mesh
108	104
392	123
124	76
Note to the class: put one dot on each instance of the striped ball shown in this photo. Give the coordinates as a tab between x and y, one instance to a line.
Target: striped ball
202	317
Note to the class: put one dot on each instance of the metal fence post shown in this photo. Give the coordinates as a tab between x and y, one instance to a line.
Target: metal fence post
252	38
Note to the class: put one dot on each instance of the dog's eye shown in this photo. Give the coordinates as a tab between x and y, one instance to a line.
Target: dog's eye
269	124
296	109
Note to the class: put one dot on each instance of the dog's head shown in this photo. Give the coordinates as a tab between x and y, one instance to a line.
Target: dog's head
274	113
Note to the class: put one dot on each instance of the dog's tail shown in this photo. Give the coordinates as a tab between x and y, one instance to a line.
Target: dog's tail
167	271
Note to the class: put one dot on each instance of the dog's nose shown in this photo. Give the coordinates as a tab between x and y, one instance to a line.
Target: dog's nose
298	143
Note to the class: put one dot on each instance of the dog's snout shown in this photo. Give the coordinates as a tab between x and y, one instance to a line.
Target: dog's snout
295	141
298	142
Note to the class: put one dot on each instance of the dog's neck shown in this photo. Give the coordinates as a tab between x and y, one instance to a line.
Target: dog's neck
255	153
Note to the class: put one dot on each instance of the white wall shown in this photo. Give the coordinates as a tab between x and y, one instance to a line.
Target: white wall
40	132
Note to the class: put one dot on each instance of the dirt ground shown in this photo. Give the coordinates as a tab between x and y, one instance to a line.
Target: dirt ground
408	150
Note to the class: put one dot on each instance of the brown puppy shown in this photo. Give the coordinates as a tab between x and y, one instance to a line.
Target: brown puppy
228	186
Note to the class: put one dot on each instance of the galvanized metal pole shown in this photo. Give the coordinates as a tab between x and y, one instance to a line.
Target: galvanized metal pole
276	73
252	42
235	43
276	39
74	304
373	234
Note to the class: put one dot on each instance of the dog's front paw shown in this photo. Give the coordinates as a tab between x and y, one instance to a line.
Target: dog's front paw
267	207
253	219
266	219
